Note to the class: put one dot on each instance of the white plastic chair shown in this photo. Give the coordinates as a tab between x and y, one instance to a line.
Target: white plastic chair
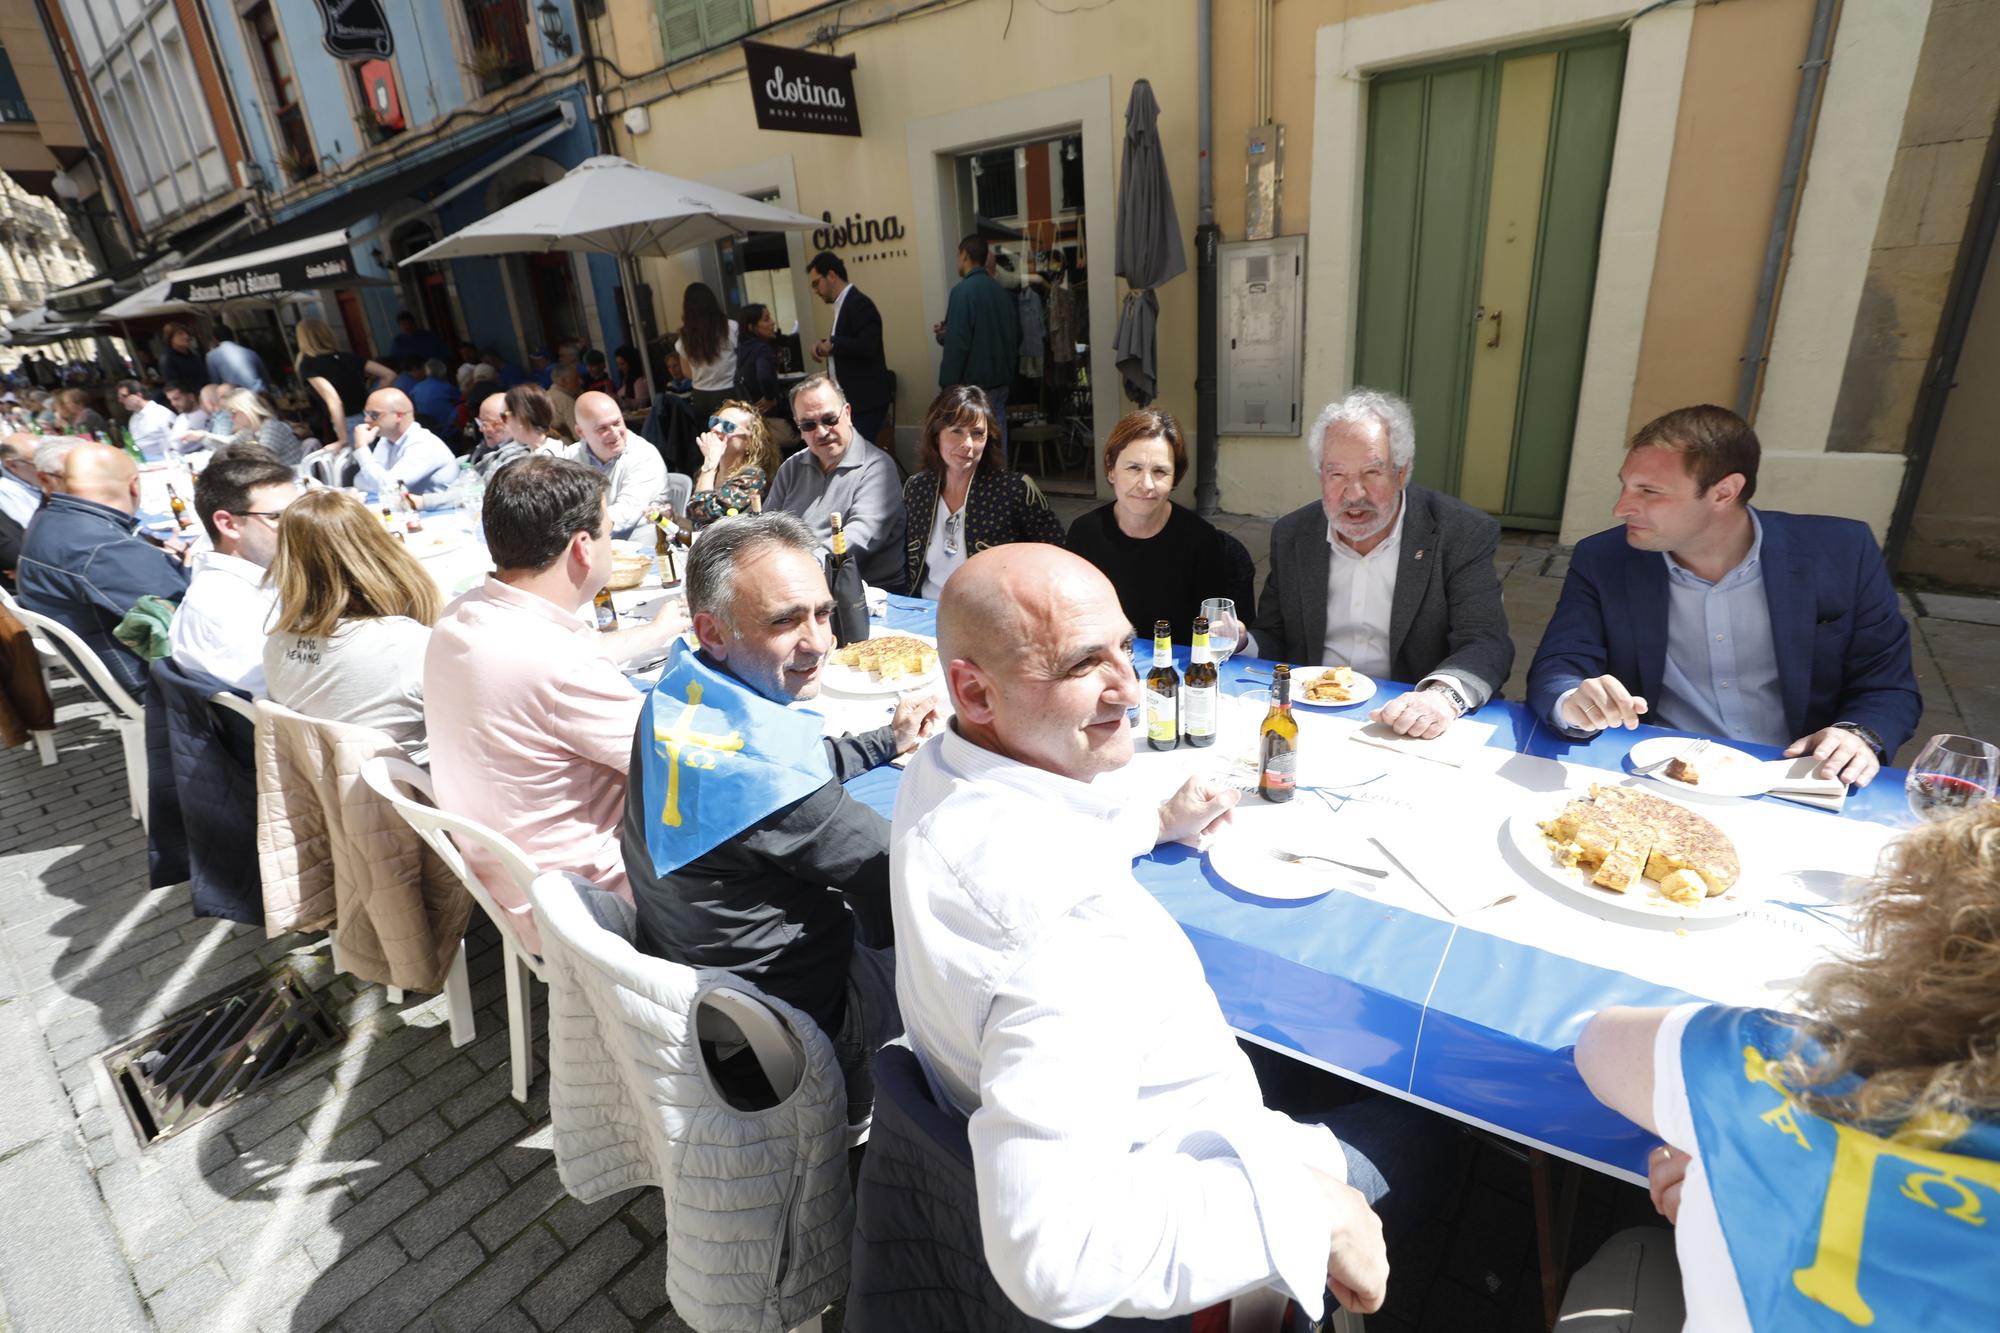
679	487
45	741
393	780
126	711
321	465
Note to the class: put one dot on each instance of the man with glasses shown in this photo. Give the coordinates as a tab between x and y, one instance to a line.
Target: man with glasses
1394	580
151	423
838	474
633	470
394	450
226	614
852	348
493	436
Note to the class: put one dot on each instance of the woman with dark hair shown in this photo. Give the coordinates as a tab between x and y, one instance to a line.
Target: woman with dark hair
1776	1124
1163	559
634	386
530	418
757	359
964	500
340	381
707	347
182	364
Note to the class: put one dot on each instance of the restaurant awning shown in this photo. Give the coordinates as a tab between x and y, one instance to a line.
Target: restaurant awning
312	250
42	325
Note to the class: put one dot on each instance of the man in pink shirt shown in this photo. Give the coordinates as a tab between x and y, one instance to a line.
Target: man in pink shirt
530	719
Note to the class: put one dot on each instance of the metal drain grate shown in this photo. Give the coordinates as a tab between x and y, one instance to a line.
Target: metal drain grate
200	1061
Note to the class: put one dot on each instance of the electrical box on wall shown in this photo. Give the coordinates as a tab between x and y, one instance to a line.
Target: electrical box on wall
1263	181
1261	341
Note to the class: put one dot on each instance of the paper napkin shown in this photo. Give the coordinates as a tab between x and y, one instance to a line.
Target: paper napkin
1455	747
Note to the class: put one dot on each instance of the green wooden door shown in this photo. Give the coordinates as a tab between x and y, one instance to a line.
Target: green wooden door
1483	195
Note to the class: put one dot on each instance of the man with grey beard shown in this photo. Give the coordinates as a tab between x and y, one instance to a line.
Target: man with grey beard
1394	580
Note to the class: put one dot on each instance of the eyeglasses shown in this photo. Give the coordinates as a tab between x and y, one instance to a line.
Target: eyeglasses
373	412
826	422
724	426
272	514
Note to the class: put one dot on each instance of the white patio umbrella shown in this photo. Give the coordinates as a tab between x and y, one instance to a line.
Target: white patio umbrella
609	206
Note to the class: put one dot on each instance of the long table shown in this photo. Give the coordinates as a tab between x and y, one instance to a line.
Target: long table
1476	1015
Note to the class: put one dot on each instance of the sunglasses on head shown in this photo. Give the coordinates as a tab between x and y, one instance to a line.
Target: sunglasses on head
723	426
825	422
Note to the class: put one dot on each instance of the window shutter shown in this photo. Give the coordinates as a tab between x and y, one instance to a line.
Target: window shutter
724	20
689	27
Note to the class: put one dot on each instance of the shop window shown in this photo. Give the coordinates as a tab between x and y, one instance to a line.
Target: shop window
995	191
500	51
689	27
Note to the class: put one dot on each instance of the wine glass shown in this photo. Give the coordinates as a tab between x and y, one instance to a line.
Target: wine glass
1953	773
1222	627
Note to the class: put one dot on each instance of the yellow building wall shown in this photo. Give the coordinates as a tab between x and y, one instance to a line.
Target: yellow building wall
933	63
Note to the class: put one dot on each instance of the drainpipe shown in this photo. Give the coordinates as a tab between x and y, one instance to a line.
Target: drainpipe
1959	305
1812	74
1207	496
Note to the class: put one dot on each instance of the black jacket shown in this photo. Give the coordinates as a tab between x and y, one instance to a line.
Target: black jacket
857	353
201	779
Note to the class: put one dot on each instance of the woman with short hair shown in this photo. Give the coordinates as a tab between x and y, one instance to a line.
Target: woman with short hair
738	460
1164	559
964	500
252	420
182	363
355	611
1777	1123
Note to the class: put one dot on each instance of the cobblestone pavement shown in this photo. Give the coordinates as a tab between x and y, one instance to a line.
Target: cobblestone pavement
396	1184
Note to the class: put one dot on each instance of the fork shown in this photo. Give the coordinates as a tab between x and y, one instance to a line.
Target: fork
1691	752
1292	858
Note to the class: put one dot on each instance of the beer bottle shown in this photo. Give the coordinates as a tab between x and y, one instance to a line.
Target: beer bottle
1278	742
179	506
1198	693
1163	687
843	579
607	614
667	546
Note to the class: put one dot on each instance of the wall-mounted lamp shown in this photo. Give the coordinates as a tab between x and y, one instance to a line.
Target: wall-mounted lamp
375	253
550	20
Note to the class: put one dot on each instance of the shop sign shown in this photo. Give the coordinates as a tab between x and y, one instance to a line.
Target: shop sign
355	30
801	91
319	268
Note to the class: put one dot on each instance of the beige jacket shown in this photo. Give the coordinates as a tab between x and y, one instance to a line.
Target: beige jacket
336	856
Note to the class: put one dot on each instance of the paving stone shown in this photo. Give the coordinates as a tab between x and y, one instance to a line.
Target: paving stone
584	1271
642	1288
191	1299
526	1202
493	1087
424	1095
412	1291
477	1140
348	1282
493	1287
600	1313
572	1219
352	1223
424	1228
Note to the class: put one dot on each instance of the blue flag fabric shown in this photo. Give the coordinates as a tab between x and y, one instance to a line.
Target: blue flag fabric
719	758
1832	1227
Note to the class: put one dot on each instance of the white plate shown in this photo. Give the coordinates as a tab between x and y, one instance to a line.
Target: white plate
1364	688
1241	853
425	544
838	679
1725	773
1524	832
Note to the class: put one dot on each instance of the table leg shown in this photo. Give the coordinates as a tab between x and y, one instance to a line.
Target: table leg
1552	1224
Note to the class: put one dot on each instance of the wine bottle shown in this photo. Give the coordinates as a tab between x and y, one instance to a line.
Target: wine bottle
1278	742
843	579
607	614
179	506
1199	690
1163	687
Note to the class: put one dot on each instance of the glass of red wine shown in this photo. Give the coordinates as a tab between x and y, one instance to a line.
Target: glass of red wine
1952	774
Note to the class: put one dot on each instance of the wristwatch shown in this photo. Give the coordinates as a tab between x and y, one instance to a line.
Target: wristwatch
1867	736
1452	696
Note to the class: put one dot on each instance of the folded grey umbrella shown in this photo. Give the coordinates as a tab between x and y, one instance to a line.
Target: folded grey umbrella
1150	250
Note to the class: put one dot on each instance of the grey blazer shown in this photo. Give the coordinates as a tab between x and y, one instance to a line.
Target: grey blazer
1445	616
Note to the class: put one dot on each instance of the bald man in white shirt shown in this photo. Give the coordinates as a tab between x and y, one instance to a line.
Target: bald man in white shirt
1125	1162
634	472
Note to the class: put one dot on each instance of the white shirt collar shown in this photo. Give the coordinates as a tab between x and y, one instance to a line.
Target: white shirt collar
975	762
235	566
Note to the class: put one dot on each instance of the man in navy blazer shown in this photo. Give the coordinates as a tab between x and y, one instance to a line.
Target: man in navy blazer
1709	616
852	348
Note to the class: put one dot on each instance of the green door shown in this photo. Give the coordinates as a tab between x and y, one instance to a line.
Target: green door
1483	195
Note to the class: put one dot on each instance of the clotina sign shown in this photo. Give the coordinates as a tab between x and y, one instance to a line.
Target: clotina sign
802	90
303	272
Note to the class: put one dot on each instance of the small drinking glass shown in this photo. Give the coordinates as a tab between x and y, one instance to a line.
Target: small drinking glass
1223	629
1952	774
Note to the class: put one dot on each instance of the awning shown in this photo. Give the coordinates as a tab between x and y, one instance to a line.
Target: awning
311	250
42	325
146	303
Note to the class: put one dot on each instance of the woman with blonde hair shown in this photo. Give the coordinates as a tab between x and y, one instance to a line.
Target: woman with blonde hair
339	380
738	461
355	611
1820	1163
252	420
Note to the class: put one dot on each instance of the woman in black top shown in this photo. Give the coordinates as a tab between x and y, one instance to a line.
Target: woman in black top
339	381
1163	560
964	500
182	365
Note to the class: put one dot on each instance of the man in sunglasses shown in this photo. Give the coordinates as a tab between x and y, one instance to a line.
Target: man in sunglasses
395	451
221	625
632	467
836	473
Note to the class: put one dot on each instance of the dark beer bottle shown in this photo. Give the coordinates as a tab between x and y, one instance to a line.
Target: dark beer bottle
850	598
1278	742
1199	690
1163	686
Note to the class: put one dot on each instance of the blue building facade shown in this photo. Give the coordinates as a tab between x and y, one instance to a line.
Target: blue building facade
472	107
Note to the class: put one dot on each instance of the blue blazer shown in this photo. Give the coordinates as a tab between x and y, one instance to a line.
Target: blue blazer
1842	643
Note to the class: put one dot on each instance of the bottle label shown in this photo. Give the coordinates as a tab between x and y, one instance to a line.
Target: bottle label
607	615
1280	766
1161	722
1198	709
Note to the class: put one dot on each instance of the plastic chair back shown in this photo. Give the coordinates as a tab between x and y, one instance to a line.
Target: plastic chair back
81	654
679	487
